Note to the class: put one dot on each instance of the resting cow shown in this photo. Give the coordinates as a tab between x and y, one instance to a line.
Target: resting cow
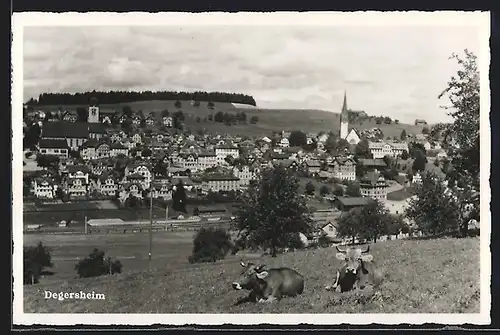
359	270
268	285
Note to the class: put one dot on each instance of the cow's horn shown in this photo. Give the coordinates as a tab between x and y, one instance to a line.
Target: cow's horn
338	249
242	263
367	250
259	268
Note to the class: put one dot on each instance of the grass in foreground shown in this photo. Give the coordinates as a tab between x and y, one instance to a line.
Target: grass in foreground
424	276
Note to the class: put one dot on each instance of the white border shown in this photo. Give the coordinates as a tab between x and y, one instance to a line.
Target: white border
448	18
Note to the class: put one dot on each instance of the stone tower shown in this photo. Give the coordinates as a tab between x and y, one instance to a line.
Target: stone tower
93	116
344	119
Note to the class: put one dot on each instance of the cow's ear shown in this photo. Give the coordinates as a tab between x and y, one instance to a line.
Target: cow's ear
242	264
340	256
366	258
262	275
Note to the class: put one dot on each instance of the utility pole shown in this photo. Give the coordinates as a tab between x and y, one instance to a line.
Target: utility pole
85	225
166	216
150	218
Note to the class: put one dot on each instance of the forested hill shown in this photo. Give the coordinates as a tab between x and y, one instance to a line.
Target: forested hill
115	97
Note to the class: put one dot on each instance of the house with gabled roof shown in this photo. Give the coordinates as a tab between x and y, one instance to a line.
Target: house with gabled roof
116	149
343	168
44	187
57	148
373	185
106	184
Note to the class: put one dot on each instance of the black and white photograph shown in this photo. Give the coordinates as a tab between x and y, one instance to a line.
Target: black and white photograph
251	168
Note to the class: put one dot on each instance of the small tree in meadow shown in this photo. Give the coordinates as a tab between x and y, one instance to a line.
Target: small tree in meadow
95	264
210	245
35	259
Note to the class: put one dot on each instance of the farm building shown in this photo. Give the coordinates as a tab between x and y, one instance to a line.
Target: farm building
345	204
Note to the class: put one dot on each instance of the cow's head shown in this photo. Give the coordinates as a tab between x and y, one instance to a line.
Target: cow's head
253	276
354	258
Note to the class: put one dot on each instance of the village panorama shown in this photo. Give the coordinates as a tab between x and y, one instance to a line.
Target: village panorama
180	202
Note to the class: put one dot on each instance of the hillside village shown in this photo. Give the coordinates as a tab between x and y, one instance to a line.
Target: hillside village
127	157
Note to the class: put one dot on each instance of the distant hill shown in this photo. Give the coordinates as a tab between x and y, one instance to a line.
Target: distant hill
307	120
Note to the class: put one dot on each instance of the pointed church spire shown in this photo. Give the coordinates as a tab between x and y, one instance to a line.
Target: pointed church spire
344	106
344	115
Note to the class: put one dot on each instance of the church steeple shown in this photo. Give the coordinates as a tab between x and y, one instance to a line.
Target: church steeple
344	118
344	115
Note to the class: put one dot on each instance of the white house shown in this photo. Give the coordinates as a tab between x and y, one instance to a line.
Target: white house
44	188
167	121
392	149
224	150
284	143
54	147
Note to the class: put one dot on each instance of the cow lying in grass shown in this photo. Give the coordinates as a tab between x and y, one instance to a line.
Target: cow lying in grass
268	285
359	270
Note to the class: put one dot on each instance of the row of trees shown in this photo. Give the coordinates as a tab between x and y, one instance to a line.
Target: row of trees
116	97
38	258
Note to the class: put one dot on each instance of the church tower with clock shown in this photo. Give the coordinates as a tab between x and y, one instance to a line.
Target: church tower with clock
93	115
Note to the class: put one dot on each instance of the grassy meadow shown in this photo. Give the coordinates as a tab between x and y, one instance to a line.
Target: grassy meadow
310	120
422	276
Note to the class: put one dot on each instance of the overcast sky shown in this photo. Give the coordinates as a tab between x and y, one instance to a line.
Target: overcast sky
392	71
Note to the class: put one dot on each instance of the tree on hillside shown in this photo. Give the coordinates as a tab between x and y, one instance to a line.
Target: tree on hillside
310	188
362	149
219	117
342	145
419	163
387	120
254	119
210	105
47	161
272	212
416	149
209	245
463	94
32	136
433	209
36	258
297	138
81	115
331	143
425	130
338	190
196	104
179	198
349	224
353	190
403	135
396	121
404	155
367	222
95	264
324	190
178	104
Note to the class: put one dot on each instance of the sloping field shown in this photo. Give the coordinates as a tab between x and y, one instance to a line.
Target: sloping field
307	120
423	276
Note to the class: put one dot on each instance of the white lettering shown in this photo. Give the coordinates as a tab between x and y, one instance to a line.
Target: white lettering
61	296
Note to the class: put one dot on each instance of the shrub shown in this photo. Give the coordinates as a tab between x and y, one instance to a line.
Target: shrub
324	190
95	264
35	259
210	245
324	241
